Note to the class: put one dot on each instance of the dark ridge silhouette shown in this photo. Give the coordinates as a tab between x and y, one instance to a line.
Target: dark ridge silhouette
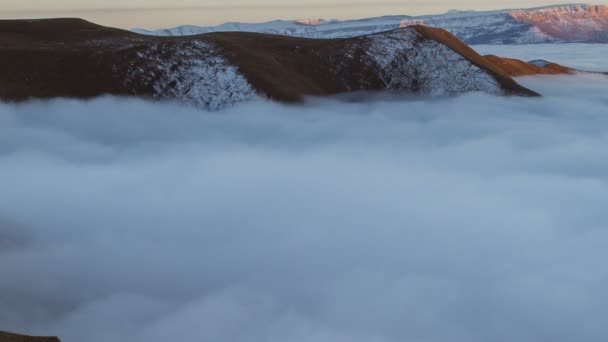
10	337
74	58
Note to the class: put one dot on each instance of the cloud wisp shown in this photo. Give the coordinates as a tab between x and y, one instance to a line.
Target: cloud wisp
474	218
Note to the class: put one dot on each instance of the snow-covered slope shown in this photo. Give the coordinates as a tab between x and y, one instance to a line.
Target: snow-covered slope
541	25
406	61
192	71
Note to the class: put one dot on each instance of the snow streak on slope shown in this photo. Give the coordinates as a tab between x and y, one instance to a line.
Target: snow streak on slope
405	61
195	72
551	24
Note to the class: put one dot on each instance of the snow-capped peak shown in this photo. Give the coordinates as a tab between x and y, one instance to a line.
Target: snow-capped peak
310	21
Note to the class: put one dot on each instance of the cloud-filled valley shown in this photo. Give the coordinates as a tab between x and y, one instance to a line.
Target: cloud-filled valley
471	218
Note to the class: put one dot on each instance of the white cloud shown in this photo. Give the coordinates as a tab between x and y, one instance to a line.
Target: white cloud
474	218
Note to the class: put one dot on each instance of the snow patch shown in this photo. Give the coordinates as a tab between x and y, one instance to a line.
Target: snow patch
195	73
406	61
310	21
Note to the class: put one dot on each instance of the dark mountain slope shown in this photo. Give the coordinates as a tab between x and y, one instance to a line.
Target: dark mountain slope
516	67
75	58
9	337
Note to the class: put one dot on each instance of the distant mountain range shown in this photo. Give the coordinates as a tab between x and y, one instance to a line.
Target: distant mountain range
559	24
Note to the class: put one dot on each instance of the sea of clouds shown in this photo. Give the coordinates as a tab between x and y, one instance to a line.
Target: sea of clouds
467	219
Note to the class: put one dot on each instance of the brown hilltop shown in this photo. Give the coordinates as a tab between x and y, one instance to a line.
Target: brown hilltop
67	30
287	68
75	58
504	67
290	67
56	57
516	67
9	337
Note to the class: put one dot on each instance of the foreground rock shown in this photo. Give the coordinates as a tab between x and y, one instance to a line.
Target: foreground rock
9	337
75	58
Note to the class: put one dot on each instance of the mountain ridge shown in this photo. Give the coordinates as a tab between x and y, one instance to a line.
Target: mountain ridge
509	26
75	58
11	337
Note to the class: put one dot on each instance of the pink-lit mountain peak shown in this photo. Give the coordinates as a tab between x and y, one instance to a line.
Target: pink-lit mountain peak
572	22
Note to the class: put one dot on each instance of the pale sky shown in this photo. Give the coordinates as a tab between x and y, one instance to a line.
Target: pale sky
153	14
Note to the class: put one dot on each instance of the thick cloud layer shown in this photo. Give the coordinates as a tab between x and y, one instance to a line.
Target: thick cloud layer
474	218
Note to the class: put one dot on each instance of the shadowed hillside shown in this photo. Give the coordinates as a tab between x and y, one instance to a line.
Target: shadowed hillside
75	58
9	337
